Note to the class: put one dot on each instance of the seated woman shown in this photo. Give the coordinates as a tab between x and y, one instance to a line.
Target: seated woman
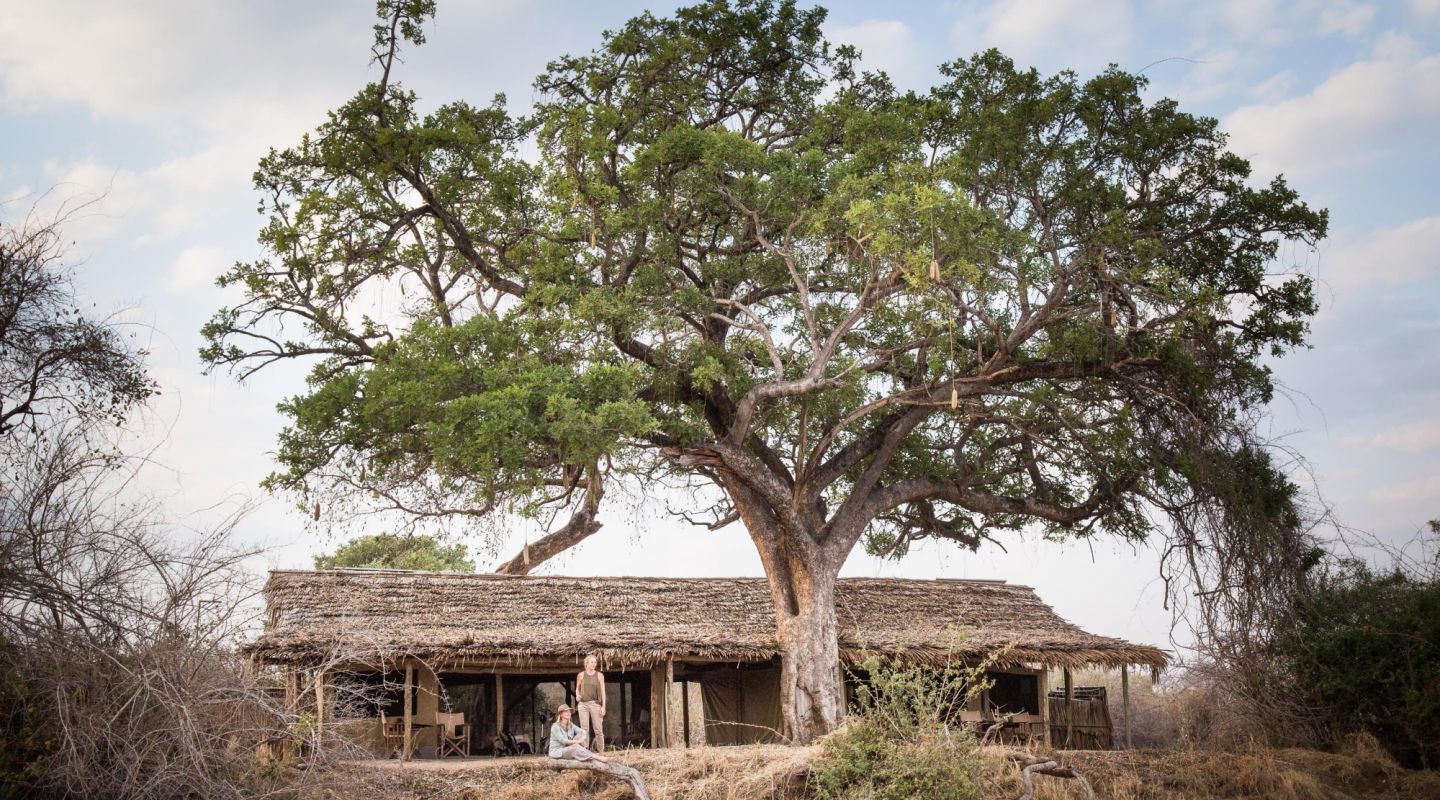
567	740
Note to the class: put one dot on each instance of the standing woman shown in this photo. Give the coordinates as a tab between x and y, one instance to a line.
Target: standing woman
590	689
568	740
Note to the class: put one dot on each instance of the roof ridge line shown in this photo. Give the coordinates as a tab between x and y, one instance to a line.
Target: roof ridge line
501	576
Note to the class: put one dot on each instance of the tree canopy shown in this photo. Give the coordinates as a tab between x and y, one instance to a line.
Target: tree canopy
735	260
387	550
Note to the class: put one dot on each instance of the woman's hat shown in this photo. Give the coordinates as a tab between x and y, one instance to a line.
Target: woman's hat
564	707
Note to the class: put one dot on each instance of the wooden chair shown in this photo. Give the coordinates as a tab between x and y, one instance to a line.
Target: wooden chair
453	734
394	733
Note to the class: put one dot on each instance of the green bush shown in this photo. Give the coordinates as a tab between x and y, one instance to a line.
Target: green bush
899	742
1367	647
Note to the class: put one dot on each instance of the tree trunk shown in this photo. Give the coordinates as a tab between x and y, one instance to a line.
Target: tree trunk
811	696
802	577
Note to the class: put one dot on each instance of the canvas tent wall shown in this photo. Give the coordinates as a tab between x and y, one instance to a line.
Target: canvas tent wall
741	703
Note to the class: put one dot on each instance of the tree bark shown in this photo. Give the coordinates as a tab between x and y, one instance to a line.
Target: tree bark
811	696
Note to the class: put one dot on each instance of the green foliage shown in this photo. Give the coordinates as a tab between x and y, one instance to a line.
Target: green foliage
479	404
898	742
1367	645
398	552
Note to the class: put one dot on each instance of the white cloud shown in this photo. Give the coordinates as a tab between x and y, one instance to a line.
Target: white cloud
1356	116
195	267
1274	88
1389	257
152	61
1426	489
1275	21
1339	16
1085	34
159	203
215	84
1414	437
1250	19
1425	9
885	44
1206	76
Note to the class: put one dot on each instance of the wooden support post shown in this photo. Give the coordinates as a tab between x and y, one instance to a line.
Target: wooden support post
685	709
1044	687
1125	701
319	703
669	682
409	718
660	702
292	690
1069	705
621	740
499	705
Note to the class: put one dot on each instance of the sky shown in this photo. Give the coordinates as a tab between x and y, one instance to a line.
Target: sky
147	119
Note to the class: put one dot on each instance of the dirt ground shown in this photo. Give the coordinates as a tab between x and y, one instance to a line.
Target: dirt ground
774	772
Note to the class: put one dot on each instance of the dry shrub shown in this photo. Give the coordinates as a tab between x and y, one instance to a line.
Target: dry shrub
1189	711
121	678
1190	706
118	678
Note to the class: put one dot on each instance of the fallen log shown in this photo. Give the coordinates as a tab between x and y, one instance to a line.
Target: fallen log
1033	765
1052	768
627	774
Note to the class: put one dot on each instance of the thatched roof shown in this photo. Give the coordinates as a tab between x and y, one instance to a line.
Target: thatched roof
639	621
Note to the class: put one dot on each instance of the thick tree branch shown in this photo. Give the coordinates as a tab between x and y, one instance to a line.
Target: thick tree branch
581	525
915	489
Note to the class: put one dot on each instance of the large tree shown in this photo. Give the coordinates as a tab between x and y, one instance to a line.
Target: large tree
718	253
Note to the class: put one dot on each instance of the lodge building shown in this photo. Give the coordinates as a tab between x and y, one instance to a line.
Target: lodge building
686	660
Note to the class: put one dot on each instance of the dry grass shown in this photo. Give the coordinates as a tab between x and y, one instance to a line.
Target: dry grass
777	772
752	772
1364	773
